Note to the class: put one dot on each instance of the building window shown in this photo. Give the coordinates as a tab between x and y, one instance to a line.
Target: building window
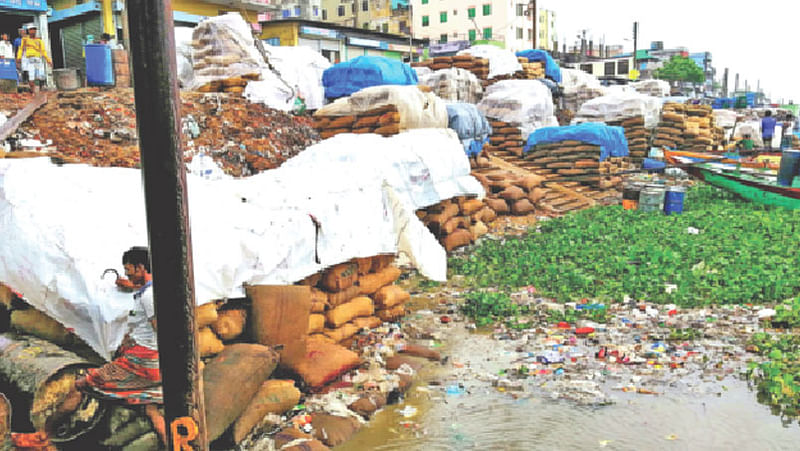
426	21
586	68
530	34
424	2
316	11
520	10
472	35
455	12
487	33
519	33
364	5
442	38
487	9
623	67
324	14
471	13
285	13
296	10
443	17
365	25
385	27
341	11
610	68
353	8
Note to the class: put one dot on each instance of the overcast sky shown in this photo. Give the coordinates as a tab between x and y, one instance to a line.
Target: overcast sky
760	40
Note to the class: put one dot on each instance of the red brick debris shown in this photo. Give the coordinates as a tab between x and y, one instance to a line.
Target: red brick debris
98	127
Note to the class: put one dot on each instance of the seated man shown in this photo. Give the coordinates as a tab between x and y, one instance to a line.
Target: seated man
133	377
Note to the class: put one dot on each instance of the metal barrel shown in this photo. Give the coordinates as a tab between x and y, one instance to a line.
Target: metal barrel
673	200
652	198
27	365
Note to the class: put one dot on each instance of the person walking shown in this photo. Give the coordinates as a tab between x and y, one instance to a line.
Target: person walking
768	129
18	40
31	57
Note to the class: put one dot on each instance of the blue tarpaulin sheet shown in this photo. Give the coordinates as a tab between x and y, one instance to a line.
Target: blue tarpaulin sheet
343	79
551	68
611	140
470	125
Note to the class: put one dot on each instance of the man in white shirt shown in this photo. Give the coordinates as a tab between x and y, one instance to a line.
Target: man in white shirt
6	47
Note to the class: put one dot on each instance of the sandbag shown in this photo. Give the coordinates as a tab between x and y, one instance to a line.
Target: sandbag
208	343
485	215
391	314
318	307
522	207
205	315
389	296
280	317
364	265
530	182
471	206
373	282
316	323
342	333
457	239
478	230
368	403
274	396
332	430
231	380
381	261
453	224
33	322
512	193
230	323
359	306
324	362
499	206
536	195
335	299
340	277
304	442
367	322
311	280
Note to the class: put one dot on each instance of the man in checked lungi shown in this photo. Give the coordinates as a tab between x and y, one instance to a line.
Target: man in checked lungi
133	377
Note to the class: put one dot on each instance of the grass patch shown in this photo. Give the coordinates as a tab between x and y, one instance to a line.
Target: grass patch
743	253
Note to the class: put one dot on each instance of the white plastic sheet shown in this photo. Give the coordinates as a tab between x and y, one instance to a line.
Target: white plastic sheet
224	47
574	80
527	103
454	85
655	88
302	68
501	61
725	118
59	236
621	105
417	109
183	55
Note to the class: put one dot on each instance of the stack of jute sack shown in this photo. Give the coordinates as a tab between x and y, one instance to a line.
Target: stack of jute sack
384	120
355	295
477	66
524	104
457	222
700	127
672	127
638	137
531	70
224	57
569	159
454	85
506	138
508	193
385	110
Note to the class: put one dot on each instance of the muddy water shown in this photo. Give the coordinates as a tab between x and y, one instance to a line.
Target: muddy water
717	414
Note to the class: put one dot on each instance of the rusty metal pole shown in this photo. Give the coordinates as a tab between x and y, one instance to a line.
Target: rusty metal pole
158	118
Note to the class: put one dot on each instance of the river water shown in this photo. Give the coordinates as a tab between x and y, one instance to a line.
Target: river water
719	414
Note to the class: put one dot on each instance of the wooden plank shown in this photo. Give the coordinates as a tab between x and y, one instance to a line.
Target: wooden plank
22	115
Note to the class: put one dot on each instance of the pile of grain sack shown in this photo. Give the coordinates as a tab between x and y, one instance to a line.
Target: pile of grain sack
506	139
477	66
384	110
531	70
457	222
454	85
573	160
579	88
687	127
224	57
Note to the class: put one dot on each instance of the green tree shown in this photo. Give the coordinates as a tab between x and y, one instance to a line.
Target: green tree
680	68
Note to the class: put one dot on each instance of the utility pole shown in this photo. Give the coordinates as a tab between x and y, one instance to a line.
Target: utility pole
725	84
635	44
736	83
532	12
164	178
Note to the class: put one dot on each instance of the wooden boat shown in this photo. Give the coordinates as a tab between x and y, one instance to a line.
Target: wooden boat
766	161
756	185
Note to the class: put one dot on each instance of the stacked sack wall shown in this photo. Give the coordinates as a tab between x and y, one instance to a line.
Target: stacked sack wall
457	222
384	120
637	135
478	66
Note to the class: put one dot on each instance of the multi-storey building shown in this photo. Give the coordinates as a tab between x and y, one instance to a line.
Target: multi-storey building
365	14
507	23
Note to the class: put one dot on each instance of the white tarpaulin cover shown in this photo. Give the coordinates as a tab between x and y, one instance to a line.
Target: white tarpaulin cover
620	105
301	68
61	235
524	103
501	61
